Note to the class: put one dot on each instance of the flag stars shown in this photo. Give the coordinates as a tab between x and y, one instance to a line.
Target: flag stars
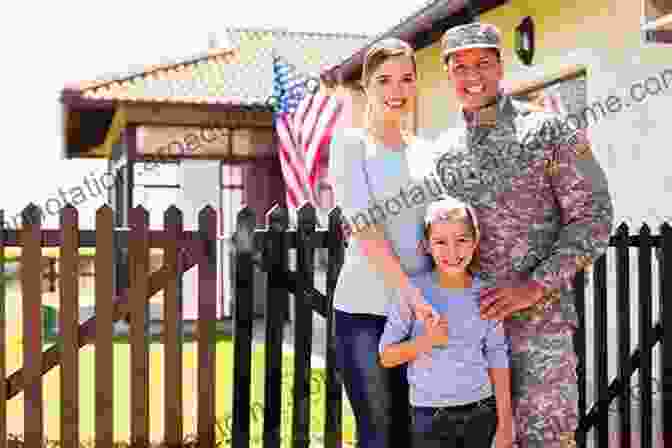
582	150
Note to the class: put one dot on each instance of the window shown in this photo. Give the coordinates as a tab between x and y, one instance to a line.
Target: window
156	189
563	93
232	197
657	21
231	203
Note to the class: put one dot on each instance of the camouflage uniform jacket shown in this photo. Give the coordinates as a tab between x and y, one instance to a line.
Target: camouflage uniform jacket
542	199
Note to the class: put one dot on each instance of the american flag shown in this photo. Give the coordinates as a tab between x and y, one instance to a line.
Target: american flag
304	121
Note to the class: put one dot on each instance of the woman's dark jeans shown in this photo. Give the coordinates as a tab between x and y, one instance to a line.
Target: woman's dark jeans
472	426
378	395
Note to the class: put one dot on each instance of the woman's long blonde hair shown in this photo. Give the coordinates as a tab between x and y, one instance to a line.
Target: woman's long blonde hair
377	54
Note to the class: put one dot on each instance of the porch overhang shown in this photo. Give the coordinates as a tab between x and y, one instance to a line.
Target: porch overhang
90	122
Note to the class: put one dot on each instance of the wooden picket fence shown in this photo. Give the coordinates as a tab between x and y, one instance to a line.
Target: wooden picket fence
268	250
181	250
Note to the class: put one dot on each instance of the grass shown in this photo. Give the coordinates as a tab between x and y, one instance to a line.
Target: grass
224	382
13	254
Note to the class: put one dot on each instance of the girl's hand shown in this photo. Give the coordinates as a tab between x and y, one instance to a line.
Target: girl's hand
504	436
423	311
437	332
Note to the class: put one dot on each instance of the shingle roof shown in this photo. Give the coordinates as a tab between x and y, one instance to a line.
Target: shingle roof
240	74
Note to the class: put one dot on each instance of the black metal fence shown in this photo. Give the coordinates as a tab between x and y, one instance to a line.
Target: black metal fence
269	248
619	390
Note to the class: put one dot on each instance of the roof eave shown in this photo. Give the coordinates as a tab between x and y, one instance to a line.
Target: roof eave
72	100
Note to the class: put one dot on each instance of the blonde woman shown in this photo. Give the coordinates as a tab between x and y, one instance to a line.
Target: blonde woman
374	172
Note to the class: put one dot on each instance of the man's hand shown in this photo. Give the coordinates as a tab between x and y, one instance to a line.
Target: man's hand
504	435
501	302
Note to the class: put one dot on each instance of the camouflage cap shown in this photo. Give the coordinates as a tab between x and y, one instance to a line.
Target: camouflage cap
471	35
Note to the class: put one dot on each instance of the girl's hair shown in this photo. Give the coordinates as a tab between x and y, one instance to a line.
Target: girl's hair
463	215
377	54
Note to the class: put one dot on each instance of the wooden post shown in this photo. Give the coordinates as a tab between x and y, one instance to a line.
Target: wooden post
623	310
104	354
3	344
31	285
173	329
207	315
666	322
645	336
580	348
600	320
276	259
138	246
68	326
303	325
243	322
333	387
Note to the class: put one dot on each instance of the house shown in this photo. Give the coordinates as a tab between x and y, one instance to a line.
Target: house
586	54
607	61
208	122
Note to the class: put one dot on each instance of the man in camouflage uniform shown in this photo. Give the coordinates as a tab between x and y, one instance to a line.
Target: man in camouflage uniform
545	213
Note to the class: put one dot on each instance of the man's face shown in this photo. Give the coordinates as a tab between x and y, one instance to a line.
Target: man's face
475	73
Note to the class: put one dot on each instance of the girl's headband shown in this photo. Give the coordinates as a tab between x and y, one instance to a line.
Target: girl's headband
440	210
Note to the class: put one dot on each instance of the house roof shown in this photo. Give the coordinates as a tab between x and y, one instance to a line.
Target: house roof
421	28
239	74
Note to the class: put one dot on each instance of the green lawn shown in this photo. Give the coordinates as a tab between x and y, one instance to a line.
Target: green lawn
224	383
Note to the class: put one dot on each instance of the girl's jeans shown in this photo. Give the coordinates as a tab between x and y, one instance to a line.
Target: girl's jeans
473	425
378	395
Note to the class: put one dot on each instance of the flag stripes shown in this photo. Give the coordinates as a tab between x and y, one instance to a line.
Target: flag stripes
304	121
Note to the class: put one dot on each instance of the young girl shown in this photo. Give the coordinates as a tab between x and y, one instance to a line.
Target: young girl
453	363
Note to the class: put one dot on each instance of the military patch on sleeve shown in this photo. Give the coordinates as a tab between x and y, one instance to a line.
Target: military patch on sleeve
584	262
582	150
551	167
567	440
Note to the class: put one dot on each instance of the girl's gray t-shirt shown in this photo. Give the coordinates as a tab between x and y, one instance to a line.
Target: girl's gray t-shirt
393	187
457	373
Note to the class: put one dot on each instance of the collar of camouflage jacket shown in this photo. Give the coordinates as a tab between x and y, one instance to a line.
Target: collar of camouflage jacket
487	117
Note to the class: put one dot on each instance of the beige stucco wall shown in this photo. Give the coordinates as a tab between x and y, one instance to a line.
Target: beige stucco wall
603	35
632	145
